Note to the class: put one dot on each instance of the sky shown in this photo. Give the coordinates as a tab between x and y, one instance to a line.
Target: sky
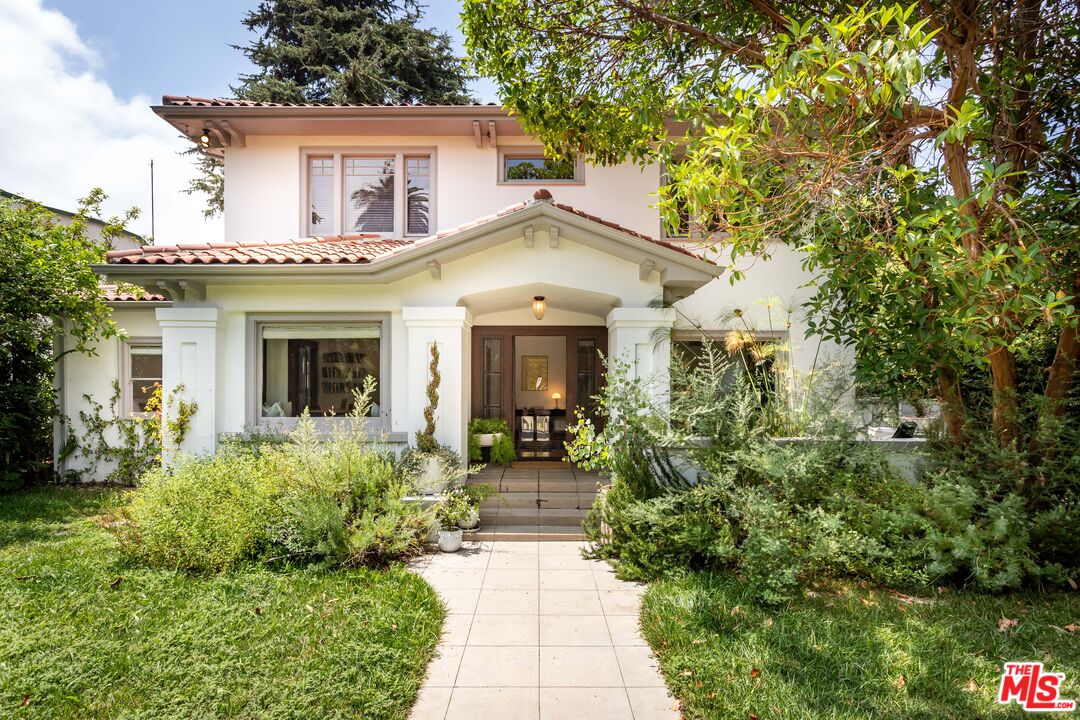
79	76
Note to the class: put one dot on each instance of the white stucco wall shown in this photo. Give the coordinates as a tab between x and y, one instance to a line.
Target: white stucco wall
94	374
263	184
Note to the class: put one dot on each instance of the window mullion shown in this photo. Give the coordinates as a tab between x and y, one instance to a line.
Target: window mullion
339	194
400	202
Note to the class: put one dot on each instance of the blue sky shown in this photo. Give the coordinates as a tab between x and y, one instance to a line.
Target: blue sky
152	47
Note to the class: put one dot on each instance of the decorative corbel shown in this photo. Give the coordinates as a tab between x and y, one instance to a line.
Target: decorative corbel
236	138
493	138
435	269
476	134
553	236
171	289
528	236
193	290
645	269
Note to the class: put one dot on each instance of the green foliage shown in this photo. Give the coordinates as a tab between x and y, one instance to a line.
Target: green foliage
86	633
880	141
340	51
502	450
455	507
337	500
784	516
425	439
849	652
205	514
45	284
132	445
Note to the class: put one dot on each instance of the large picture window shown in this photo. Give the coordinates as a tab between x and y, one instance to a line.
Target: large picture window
384	192
317	366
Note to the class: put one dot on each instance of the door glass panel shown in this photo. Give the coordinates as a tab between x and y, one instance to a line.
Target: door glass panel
492	378
586	371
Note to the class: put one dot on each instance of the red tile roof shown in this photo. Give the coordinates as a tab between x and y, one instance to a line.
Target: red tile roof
114	294
191	101
334	249
339	249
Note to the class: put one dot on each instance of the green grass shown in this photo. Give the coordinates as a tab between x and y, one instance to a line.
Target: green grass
841	654
86	634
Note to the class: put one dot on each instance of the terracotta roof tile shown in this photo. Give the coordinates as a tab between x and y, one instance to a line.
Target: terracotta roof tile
360	247
338	249
114	294
191	101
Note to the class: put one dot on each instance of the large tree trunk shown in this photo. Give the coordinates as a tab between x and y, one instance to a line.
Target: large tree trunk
952	405
1003	370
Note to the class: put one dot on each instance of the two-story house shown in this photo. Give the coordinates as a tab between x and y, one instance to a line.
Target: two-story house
358	236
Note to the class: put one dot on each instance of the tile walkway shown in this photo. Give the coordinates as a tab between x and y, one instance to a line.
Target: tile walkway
535	631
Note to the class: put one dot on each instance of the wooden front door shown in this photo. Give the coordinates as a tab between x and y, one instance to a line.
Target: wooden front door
493	367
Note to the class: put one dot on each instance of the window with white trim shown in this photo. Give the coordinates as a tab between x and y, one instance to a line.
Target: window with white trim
142	371
317	366
385	192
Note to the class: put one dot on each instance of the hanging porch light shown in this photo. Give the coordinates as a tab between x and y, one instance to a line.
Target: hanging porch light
539	307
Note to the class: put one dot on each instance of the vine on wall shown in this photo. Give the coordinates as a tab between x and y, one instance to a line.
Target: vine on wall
132	443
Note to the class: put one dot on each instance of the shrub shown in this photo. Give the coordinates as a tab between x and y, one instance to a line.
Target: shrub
783	516
338	501
204	514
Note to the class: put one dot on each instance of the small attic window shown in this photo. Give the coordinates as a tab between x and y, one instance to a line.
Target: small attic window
531	166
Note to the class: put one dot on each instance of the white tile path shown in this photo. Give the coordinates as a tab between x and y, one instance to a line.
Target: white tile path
535	631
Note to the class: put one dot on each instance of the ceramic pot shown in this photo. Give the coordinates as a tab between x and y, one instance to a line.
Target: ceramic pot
471	521
450	540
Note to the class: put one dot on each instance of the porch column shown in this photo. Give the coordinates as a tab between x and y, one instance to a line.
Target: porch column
642	338
451	329
189	360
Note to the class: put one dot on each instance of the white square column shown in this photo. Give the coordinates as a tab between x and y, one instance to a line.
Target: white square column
642	338
189	360
451	329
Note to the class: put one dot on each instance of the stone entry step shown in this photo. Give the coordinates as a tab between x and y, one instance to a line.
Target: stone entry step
542	502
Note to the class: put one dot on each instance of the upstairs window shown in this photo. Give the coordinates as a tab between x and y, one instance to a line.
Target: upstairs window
533	167
388	193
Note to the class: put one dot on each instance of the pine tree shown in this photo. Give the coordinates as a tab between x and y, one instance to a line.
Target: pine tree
341	51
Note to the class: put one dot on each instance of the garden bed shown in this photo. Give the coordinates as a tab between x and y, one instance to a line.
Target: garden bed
852	652
84	633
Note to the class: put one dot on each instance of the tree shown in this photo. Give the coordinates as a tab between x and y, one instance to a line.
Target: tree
46	285
341	51
920	158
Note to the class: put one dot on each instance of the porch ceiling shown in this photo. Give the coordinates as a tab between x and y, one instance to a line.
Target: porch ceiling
557	297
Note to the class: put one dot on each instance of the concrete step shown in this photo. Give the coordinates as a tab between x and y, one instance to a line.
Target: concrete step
542	533
521	516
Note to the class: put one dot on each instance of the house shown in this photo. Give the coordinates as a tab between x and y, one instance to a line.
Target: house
124	240
356	237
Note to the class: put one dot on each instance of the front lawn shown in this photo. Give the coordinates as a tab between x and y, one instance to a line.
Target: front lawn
851	652
84	633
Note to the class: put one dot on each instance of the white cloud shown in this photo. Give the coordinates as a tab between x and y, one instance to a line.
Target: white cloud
63	131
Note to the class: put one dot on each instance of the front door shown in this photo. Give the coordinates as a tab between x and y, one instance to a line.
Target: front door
497	375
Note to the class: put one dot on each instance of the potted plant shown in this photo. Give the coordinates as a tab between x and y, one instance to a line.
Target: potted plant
491	433
453	509
432	474
475	495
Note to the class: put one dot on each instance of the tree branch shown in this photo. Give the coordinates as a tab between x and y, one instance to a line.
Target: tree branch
646	13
